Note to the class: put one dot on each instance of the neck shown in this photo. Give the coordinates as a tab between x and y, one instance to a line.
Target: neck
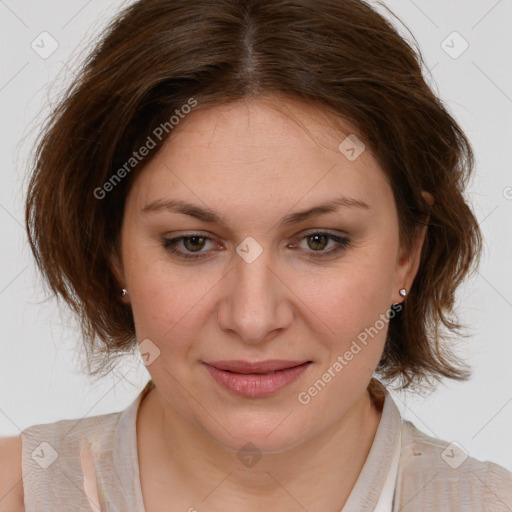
205	470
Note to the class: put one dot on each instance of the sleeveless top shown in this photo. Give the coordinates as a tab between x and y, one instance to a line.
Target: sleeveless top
91	465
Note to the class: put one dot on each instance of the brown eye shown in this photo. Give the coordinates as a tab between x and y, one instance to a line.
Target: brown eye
191	246
318	241
194	243
322	244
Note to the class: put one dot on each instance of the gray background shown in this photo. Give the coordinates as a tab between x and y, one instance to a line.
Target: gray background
40	379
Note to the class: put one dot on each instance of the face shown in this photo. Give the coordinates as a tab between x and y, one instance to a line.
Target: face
249	239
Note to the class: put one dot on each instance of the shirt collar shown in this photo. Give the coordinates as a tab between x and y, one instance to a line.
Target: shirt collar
366	492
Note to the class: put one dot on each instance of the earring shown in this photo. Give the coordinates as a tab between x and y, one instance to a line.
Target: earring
124	292
403	292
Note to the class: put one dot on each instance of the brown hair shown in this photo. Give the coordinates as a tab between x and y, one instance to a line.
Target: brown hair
157	55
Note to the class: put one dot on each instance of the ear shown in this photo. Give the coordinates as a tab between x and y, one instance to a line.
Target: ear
116	266
409	259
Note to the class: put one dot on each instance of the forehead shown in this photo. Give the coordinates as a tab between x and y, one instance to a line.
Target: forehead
263	148
266	123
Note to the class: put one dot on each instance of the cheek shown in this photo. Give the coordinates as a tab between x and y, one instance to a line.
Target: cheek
168	302
355	307
353	297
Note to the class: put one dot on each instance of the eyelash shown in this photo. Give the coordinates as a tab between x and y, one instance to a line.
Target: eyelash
170	245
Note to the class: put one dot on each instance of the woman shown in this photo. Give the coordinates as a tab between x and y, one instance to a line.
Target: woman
267	199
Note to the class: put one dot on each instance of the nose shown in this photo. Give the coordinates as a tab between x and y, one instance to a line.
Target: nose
255	301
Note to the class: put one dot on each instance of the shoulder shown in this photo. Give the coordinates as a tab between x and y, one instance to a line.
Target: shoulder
68	431
42	444
11	483
440	474
51	457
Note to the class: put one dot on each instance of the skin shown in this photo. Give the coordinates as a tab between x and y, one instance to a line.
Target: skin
254	162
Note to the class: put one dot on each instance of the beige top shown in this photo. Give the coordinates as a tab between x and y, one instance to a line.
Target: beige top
432	475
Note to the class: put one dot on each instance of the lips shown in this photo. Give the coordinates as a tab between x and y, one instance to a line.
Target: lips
256	380
244	367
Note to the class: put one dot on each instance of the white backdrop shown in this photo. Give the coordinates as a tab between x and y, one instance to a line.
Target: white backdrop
466	45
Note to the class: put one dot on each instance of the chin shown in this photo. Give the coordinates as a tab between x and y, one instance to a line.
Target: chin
268	433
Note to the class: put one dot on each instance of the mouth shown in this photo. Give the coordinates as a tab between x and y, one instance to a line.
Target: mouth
257	379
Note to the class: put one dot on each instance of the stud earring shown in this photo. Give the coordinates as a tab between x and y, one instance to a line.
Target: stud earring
124	292
403	292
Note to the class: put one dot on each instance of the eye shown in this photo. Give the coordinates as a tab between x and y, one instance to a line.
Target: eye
318	241
193	245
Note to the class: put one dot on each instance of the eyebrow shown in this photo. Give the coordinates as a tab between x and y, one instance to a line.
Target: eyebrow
209	215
